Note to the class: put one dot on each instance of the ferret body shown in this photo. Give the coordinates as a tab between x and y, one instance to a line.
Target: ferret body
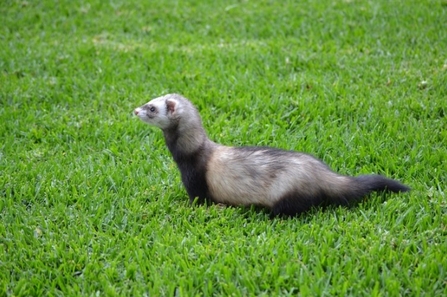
286	182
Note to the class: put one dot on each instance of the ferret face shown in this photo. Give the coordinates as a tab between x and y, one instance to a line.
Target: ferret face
156	112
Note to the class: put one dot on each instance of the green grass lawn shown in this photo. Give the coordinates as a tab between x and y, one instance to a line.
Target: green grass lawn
91	202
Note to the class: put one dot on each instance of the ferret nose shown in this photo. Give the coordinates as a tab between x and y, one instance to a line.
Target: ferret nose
136	111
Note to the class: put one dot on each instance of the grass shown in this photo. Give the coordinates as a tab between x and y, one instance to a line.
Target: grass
91	202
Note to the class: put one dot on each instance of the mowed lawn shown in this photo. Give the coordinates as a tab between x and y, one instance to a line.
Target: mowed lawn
91	202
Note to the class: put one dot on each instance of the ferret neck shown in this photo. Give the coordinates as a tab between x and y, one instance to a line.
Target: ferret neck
183	143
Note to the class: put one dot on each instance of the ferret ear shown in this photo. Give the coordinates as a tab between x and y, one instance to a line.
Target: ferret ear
171	106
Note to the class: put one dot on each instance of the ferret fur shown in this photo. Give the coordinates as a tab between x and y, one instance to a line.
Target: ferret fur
286	182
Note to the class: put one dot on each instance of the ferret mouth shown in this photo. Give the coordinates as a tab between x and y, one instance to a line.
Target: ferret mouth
137	111
140	113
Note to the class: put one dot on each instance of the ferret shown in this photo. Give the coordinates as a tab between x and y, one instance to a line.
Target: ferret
287	183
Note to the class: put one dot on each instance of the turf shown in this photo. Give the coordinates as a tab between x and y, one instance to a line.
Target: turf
91	202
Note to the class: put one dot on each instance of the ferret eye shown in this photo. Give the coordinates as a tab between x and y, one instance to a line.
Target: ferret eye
152	109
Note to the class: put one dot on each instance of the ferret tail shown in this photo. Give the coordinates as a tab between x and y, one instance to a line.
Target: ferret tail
362	185
380	183
346	192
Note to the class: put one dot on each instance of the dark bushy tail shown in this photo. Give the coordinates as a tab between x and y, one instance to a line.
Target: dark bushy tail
343	192
358	187
371	183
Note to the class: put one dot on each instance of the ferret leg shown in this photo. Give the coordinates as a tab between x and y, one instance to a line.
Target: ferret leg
295	204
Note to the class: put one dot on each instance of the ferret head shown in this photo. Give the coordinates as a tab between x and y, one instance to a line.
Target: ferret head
179	120
162	112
